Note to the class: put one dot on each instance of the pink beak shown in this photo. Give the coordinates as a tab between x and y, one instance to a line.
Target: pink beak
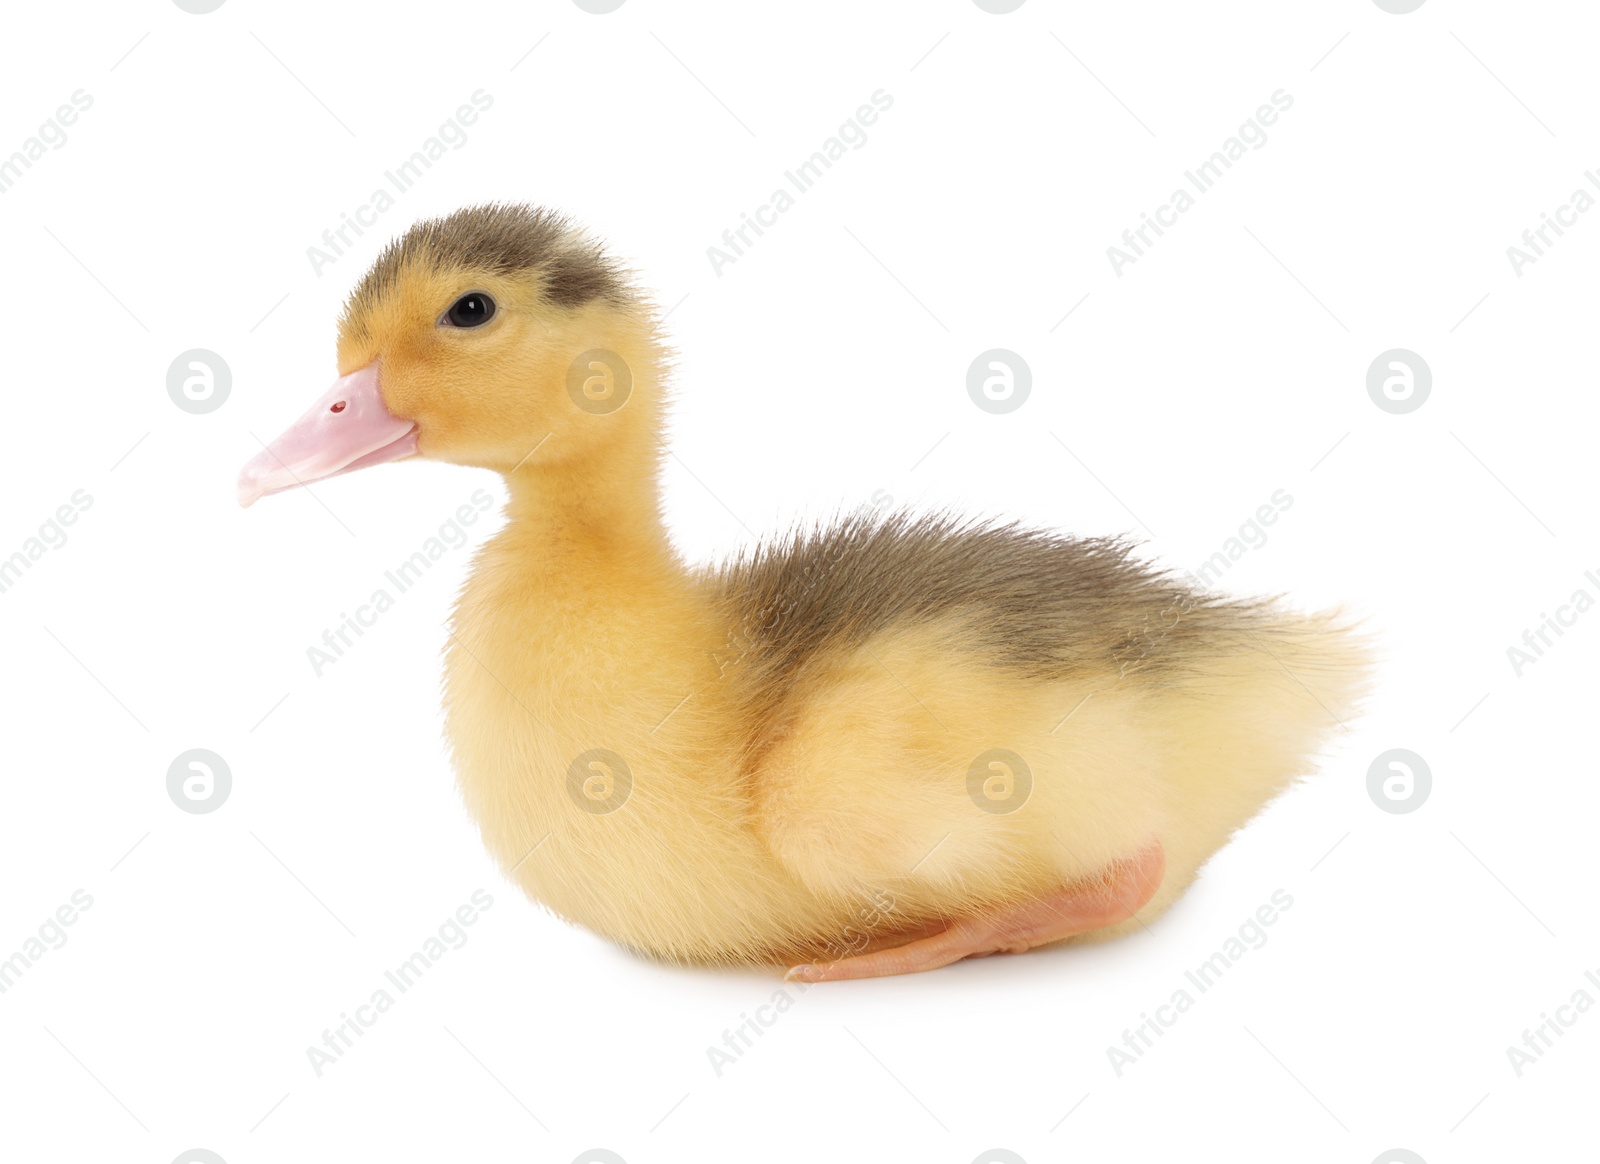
349	428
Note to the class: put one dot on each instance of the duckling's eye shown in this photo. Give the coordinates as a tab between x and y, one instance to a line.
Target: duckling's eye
473	309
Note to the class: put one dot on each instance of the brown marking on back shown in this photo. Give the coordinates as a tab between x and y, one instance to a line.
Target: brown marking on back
1043	605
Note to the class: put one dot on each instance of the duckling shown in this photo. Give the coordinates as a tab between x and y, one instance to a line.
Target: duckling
870	748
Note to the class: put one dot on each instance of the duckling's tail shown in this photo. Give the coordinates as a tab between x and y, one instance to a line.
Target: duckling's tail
1308	671
1247	713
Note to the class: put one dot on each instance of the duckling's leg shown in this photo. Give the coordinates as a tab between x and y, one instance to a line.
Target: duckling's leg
1076	909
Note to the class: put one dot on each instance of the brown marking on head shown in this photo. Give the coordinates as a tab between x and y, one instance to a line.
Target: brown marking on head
502	239
488	394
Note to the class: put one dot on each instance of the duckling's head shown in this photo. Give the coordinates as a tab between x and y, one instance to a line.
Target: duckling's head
483	338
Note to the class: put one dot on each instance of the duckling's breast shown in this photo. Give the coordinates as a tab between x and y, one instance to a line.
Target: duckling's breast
599	750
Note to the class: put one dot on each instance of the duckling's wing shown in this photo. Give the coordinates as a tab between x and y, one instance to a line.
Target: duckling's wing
1045	605
875	659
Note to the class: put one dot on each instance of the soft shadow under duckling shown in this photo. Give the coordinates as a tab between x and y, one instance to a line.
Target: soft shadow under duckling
869	749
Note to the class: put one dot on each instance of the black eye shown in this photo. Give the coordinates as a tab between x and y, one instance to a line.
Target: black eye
473	309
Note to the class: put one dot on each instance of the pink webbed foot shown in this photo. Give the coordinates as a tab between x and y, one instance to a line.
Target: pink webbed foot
1074	909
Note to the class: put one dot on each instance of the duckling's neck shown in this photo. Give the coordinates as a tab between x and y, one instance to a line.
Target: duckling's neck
583	583
569	524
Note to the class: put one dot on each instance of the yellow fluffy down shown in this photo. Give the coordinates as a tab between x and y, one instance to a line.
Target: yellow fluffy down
605	734
857	817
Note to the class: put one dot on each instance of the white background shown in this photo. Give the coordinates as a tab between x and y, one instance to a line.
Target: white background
816	372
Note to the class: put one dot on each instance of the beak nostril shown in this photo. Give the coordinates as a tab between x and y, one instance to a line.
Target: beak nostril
347	427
